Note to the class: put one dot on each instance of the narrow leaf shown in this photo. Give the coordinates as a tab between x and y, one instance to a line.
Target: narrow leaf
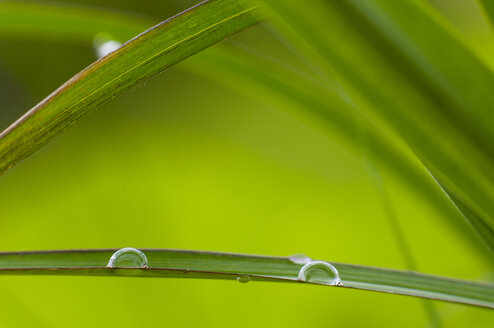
267	81
425	83
326	109
168	263
150	53
488	6
70	23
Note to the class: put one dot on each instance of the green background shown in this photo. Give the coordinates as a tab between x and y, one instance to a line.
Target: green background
186	162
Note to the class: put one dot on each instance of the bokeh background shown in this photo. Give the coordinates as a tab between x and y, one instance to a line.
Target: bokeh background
187	162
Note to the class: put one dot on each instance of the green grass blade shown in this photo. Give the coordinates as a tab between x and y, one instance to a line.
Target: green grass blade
183	264
267	81
326	109
423	82
399	234
33	20
168	263
139	59
488	7
69	23
486	232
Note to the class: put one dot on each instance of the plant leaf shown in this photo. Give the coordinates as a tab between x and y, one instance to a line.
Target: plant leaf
267	81
68	23
169	263
139	59
424	83
310	101
488	7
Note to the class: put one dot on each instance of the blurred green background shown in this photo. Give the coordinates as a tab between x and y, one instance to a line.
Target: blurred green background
186	162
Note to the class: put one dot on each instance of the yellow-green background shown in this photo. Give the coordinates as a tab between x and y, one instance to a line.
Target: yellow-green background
185	162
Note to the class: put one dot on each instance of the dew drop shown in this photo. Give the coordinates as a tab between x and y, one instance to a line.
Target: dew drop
128	257
319	272
243	278
300	259
103	44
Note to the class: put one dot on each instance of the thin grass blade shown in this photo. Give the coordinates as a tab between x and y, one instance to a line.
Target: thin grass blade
424	83
488	7
139	59
268	81
68	23
167	263
315	104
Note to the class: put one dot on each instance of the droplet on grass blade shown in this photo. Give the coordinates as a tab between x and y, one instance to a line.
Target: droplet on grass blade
103	45
300	259
243	278
128	257
319	272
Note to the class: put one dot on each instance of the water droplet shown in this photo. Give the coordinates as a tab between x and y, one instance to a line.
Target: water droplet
243	278
319	272
300	259
104	44
128	258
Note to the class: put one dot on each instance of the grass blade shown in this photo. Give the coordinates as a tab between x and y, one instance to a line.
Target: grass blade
400	236
266	80
411	80
169	263
488	7
326	109
150	53
69	23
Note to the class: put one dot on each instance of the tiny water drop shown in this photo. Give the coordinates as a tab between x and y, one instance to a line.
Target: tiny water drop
320	272
243	278
103	44
128	257
300	259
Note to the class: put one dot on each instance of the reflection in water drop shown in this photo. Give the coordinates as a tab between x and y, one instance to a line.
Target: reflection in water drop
243	278
103	44
319	272
300	259
128	258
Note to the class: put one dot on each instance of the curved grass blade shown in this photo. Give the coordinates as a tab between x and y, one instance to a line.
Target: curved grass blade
70	23
325	108
169	263
423	82
488	7
139	59
236	69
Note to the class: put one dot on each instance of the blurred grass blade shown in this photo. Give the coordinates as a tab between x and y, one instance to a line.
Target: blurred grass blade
268	81
399	234
70	23
486	232
309	101
424	83
212	265
148	54
488	6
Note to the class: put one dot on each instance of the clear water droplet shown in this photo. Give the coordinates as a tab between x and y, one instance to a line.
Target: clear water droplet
319	272
300	259
103	44
243	278
128	257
